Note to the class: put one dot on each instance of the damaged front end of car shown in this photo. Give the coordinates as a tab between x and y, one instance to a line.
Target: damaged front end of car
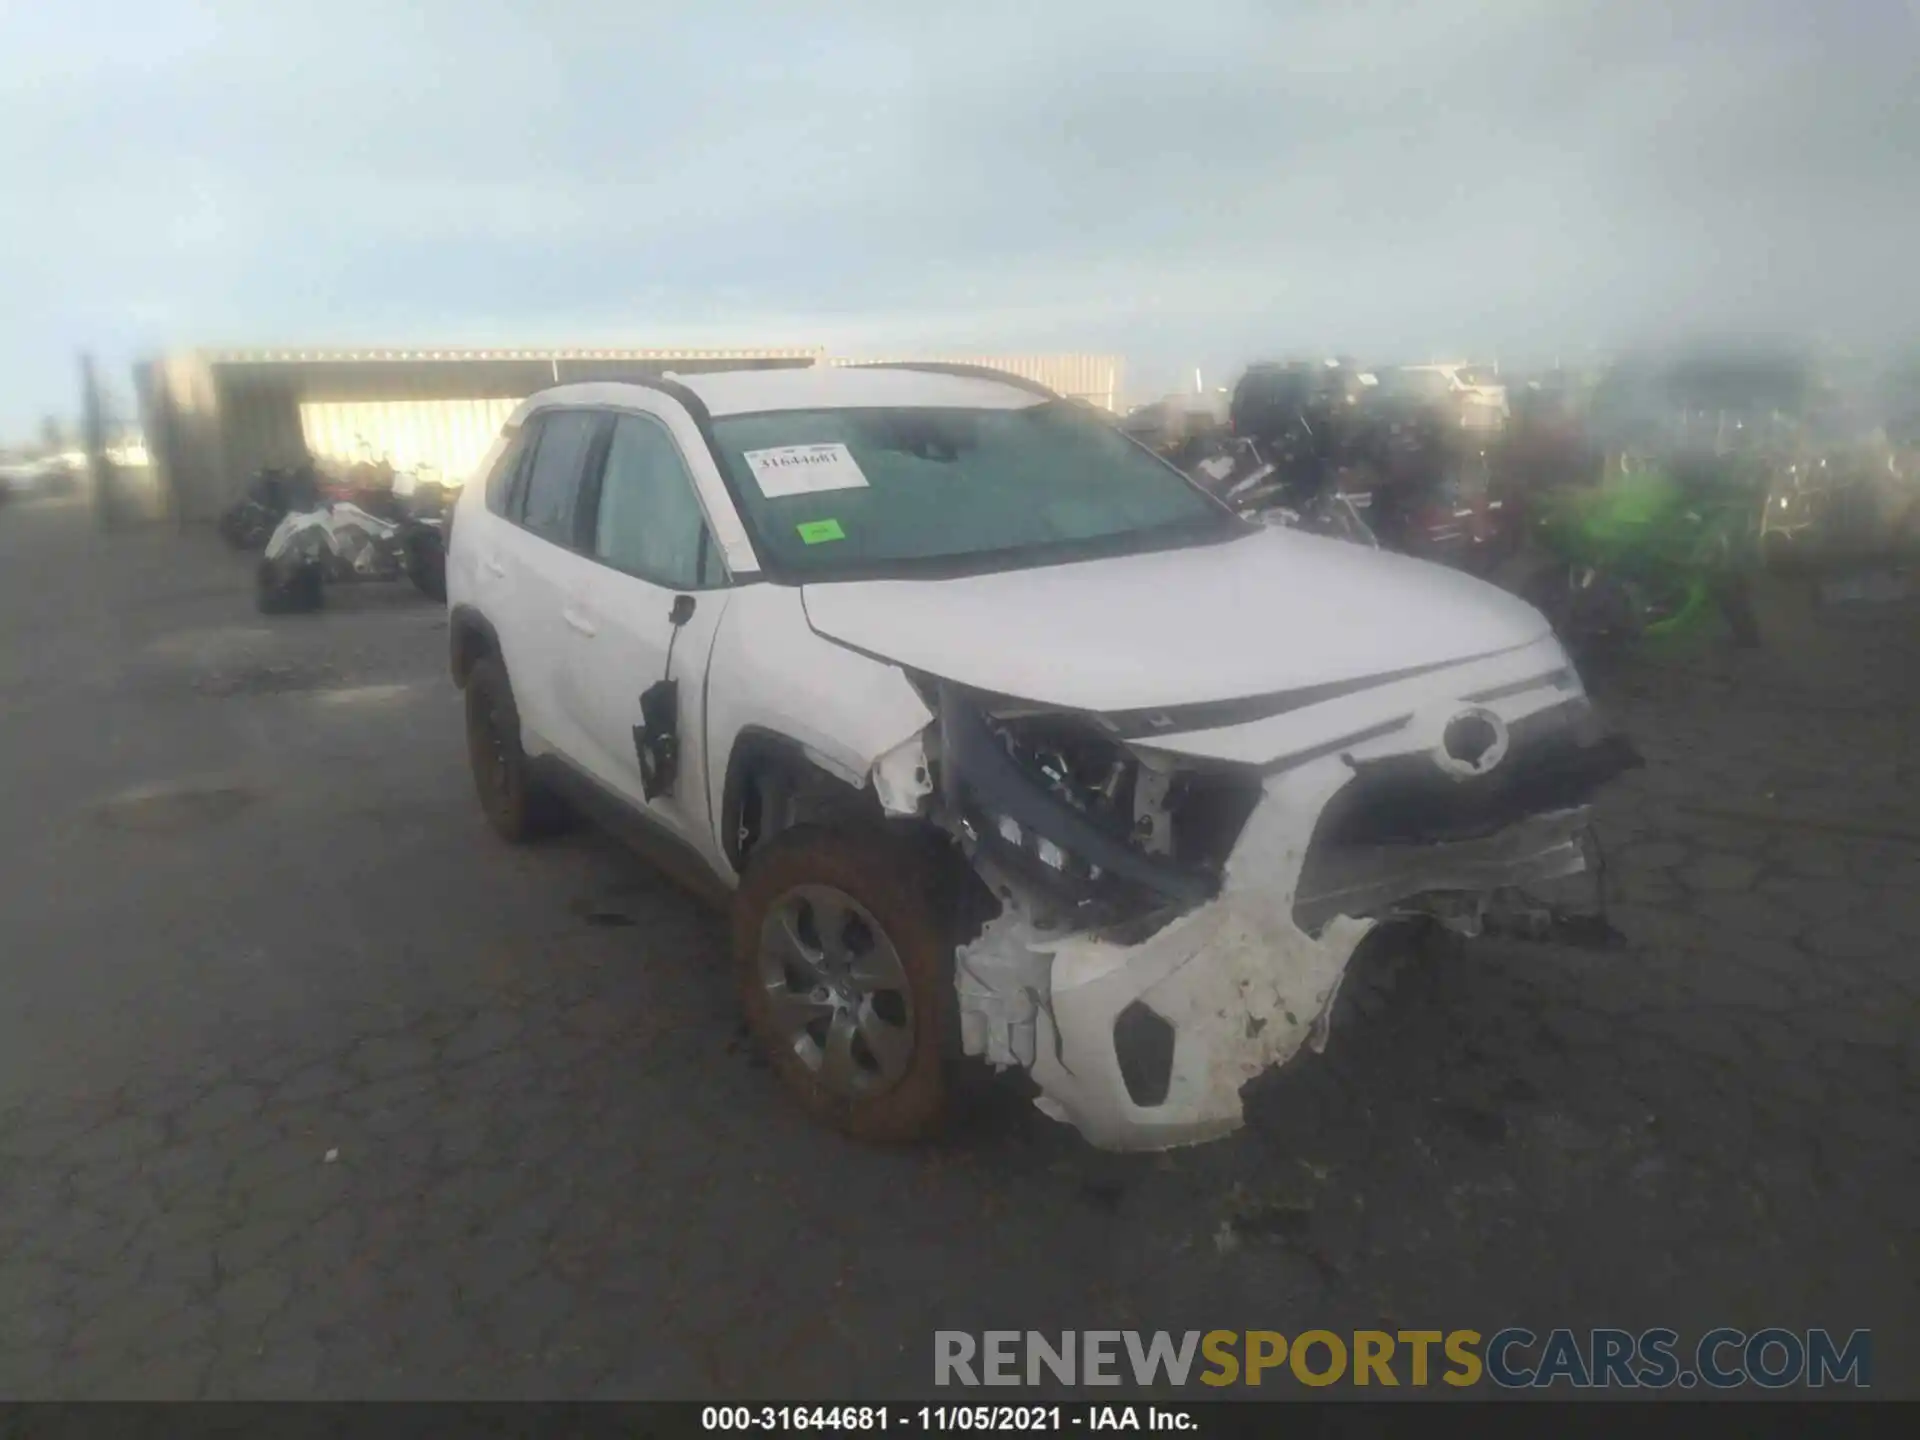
1176	918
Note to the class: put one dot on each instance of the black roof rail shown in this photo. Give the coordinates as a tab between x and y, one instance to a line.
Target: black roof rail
975	372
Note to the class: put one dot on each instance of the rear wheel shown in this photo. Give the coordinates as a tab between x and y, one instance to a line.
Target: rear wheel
517	806
288	590
426	567
843	950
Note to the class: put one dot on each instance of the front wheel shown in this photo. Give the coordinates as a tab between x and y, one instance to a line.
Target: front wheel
844	958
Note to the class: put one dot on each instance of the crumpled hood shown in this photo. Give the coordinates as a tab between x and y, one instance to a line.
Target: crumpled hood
1276	610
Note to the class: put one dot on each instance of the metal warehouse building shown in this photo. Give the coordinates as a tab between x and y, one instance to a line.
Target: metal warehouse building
213	418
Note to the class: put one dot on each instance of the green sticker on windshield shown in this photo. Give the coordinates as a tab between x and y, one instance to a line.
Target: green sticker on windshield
816	532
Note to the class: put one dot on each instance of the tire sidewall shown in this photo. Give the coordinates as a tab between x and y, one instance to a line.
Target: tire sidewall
490	709
425	566
896	883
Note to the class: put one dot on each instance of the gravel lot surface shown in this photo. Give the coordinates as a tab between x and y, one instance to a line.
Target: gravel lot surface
308	1086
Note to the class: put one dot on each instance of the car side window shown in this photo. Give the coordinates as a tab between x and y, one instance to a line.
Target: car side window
500	478
553	479
515	498
649	522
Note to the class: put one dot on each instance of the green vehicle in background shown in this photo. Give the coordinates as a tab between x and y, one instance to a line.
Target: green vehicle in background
1653	552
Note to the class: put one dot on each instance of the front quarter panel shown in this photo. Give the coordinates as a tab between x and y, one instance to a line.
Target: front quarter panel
771	673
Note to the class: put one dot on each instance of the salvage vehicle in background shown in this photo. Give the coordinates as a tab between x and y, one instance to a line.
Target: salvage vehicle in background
1283	490
1848	496
1473	396
1651	553
976	715
1820	484
1546	443
1182	429
1799	512
338	542
271	493
42	478
1430	488
1318	446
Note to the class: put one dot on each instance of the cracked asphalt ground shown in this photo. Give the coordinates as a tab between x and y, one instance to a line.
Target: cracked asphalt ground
308	1086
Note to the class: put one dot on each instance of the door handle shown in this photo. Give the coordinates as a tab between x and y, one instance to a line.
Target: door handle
494	567
576	621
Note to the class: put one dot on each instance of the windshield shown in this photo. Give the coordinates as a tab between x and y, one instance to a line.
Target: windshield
843	493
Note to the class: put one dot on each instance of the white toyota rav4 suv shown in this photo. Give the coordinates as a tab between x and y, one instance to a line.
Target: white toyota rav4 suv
1004	738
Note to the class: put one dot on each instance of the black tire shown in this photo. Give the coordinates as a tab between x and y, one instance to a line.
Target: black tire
279	590
905	889
426	567
518	807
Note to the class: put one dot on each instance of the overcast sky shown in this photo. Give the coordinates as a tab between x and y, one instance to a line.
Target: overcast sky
1192	182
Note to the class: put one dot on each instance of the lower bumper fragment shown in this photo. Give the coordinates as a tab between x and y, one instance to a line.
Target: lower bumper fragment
1147	1046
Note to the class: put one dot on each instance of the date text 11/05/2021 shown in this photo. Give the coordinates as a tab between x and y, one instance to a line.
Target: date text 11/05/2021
940	1419
1721	1359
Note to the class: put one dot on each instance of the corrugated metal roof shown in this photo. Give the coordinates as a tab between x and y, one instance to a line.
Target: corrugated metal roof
336	357
1091	377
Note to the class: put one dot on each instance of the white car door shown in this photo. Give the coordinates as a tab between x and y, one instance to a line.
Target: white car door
538	555
476	574
652	557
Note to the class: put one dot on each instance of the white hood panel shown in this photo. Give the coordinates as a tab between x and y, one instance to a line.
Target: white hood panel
1277	610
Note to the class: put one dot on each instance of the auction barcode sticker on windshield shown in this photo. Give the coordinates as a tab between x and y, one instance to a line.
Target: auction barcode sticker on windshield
804	470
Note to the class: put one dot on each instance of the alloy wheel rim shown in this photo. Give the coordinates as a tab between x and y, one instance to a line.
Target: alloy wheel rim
837	991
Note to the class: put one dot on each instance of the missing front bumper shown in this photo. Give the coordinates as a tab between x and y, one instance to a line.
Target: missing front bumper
1147	1046
1375	879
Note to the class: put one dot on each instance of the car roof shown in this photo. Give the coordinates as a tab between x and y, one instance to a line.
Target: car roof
820	387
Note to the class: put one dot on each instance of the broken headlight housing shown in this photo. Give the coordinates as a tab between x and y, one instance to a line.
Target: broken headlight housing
1072	809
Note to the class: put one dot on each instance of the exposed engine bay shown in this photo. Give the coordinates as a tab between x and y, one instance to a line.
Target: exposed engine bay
1171	925
1185	819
